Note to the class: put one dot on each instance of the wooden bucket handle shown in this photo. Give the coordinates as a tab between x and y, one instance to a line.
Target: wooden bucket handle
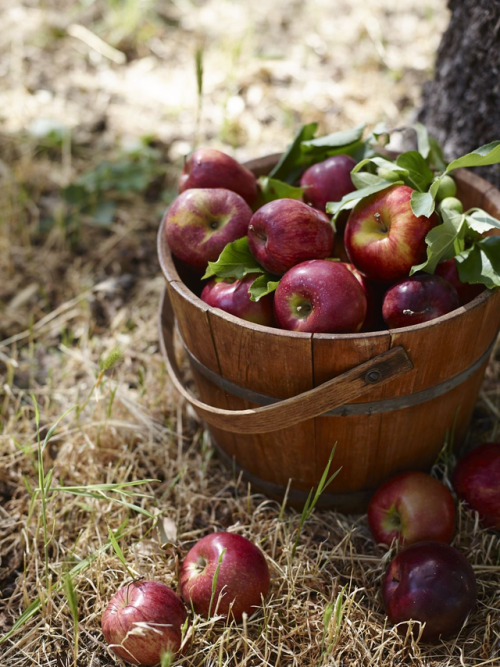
289	411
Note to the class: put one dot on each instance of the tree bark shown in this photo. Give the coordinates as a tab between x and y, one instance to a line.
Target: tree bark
461	105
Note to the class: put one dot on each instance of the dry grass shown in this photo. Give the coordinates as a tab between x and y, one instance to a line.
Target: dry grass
79	342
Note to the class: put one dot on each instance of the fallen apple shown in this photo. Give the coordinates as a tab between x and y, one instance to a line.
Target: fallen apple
433	583
383	238
447	269
233	296
285	232
411	507
320	296
211	168
476	480
202	221
224	574
328	180
144	620
419	298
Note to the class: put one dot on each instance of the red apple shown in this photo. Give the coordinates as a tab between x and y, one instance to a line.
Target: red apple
224	573
285	232
430	582
476	480
211	168
417	299
233	297
374	293
412	507
143	620
383	238
320	296
466	291
200	222
328	180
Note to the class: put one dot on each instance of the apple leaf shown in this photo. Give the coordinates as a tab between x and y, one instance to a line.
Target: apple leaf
481	262
349	200
235	261
420	175
273	188
333	141
261	286
443	241
292	162
481	157
481	221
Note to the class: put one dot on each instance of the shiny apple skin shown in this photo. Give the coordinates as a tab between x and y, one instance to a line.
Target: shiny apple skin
411	507
466	291
125	622
430	582
383	238
242	582
201	221
212	168
476	480
418	299
285	232
234	297
328	180
320	296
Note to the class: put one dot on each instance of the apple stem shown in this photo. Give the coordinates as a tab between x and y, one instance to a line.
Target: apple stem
380	222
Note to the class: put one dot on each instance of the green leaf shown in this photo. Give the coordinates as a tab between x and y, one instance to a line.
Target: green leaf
481	221
349	200
235	261
334	141
422	203
423	142
442	241
273	188
292	162
261	286
481	262
420	175
481	157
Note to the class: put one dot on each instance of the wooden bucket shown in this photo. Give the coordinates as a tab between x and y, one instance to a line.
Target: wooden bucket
276	402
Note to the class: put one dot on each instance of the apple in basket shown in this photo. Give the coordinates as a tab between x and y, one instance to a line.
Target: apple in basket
411	507
476	480
200	222
211	168
383	238
144	620
433	583
417	299
285	232
447	269
233	297
320	296
224	574
328	180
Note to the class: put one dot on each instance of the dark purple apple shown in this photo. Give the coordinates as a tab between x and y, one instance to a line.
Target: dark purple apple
383	238
476	480
211	168
411	507
233	297
285	232
328	180
200	222
320	296
430	582
224	573
143	620
417	299
466	291
374	293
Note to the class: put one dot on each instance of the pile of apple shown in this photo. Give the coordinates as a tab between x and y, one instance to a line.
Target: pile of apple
331	243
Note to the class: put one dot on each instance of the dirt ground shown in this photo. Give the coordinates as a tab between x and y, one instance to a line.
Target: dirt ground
100	102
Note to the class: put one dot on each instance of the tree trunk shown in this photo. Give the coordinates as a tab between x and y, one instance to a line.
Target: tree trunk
461	106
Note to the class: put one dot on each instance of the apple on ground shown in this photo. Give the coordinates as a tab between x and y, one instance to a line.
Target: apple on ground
144	620
233	296
200	222
320	296
476	480
411	507
433	583
224	574
447	269
328	180
285	232
383	238
212	168
419	298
